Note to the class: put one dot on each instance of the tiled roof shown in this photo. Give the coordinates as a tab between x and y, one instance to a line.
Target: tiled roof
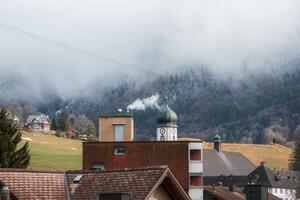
222	193
139	183
33	185
225	163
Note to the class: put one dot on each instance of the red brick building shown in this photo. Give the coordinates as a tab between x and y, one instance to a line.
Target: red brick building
183	158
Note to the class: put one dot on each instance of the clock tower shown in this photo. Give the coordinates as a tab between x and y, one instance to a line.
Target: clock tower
167	125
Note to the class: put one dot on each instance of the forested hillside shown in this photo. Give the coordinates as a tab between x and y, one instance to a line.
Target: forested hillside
258	107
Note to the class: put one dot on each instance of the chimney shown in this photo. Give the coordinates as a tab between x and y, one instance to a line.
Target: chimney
257	192
4	193
263	163
217	143
114	196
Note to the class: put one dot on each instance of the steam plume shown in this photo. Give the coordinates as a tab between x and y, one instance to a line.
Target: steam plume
142	104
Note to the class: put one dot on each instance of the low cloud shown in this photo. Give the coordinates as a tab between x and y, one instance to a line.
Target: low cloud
229	37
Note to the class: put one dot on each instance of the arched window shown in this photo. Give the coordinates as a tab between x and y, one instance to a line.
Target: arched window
174	138
162	138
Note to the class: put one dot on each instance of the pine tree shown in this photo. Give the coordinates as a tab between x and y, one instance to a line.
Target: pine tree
10	155
63	121
295	157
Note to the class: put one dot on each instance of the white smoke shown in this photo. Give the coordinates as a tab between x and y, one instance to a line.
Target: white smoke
142	104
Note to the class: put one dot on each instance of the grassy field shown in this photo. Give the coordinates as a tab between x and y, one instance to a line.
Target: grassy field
276	156
54	153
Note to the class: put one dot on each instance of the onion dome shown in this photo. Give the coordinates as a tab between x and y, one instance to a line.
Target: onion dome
167	117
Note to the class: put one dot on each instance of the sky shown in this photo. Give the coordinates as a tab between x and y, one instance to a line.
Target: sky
225	36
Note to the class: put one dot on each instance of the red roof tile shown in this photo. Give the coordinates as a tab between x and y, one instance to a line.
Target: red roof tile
33	185
139	183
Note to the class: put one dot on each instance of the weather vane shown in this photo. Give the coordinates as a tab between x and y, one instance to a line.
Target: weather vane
167	95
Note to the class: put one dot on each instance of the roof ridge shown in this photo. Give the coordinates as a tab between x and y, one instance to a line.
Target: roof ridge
29	170
159	167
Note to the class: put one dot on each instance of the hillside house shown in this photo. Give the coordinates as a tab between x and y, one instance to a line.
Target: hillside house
39	123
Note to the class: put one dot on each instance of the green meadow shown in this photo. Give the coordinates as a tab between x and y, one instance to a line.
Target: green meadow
49	152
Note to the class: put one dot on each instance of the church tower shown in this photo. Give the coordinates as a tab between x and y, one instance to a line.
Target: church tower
167	125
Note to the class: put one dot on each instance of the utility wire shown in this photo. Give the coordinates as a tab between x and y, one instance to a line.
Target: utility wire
74	48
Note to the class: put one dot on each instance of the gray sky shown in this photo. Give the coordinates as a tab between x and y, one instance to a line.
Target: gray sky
157	35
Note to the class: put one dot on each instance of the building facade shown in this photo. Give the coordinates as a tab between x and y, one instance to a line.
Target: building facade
116	127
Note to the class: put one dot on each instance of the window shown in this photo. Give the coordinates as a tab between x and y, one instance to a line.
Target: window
195	181
162	138
174	138
195	154
78	178
119	150
119	132
98	166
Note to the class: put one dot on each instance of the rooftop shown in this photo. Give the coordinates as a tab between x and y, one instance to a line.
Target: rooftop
225	163
118	113
222	193
272	177
140	183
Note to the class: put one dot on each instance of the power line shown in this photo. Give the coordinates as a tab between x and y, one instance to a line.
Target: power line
74	48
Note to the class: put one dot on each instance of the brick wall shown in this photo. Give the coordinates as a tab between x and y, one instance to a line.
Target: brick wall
140	154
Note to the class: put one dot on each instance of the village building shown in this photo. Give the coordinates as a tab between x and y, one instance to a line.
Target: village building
224	168
152	183
119	150
281	183
116	127
39	123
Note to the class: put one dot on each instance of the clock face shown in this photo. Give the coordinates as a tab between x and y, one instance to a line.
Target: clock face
173	131
162	131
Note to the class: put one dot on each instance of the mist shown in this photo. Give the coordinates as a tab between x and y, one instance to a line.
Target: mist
224	36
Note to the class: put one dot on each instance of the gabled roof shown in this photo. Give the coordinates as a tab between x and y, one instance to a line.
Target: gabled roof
140	183
225	163
26	184
263	175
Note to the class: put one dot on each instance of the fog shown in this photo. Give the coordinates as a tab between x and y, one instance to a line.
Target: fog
160	36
